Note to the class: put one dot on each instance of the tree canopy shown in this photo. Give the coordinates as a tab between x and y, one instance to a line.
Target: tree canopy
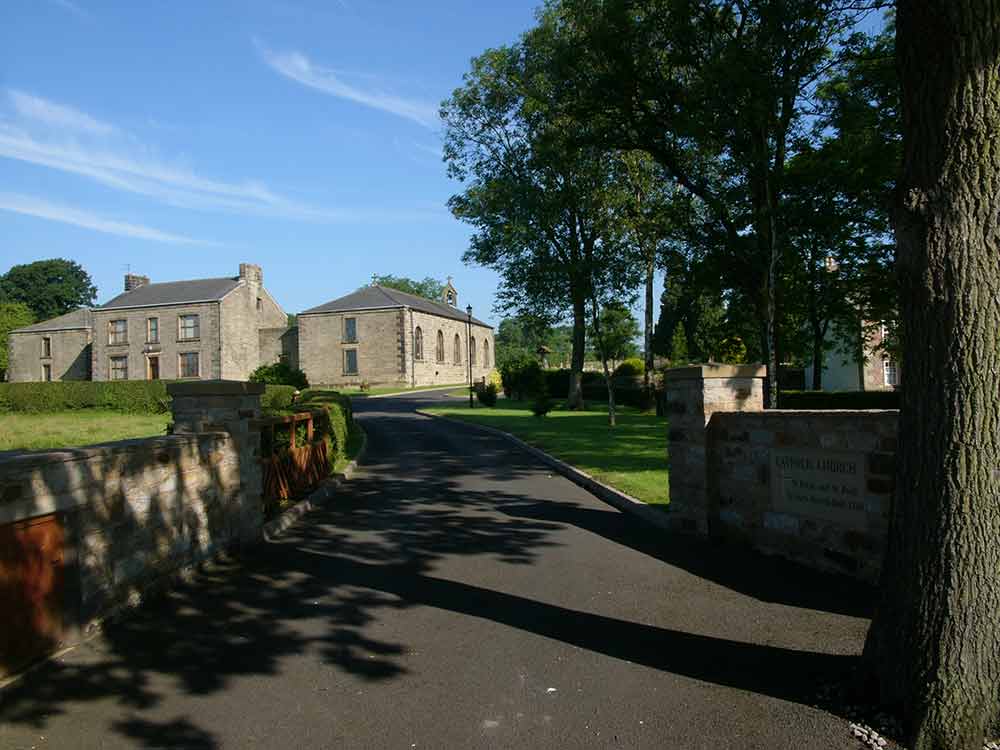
48	287
427	287
12	315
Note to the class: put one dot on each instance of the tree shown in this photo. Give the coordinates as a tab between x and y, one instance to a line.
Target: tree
713	90
428	288
613	331
546	212
12	315
49	287
934	644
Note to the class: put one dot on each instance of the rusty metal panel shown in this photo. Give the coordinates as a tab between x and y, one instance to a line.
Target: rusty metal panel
32	580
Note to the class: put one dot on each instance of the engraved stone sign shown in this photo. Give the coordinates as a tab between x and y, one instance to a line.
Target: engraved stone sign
822	484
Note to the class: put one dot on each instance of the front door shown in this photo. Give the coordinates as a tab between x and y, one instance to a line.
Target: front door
154	368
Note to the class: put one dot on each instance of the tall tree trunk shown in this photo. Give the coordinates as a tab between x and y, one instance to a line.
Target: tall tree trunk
817	356
602	351
574	399
647	334
935	643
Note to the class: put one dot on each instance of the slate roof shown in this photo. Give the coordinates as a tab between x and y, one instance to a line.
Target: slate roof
70	321
384	298
174	293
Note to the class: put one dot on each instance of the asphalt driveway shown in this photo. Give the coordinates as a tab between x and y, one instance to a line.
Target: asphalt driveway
458	595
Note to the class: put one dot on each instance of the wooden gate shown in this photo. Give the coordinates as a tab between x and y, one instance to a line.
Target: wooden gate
32	577
294	467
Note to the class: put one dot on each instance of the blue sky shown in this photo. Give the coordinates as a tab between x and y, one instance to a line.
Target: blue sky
181	138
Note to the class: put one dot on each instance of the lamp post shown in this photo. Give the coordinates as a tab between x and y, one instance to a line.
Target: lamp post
468	354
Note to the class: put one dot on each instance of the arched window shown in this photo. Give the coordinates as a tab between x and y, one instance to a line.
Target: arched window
418	344
458	350
472	351
486	352
440	347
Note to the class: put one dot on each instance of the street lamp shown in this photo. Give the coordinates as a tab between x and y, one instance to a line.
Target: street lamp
468	354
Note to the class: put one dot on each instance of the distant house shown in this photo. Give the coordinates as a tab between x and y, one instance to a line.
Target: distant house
380	335
843	372
199	329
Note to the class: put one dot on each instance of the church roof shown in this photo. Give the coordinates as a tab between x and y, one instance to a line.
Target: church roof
174	293
69	322
385	298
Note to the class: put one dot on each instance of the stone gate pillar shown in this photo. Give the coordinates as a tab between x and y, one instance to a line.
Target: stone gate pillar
693	395
227	406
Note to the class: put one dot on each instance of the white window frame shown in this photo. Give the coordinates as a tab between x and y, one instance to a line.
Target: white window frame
150	324
111	366
197	327
112	332
890	366
46	372
46	347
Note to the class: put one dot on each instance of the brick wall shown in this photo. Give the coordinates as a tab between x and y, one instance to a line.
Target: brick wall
70	360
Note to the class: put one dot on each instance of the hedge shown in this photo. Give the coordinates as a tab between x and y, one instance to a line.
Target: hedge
128	396
339	418
826	400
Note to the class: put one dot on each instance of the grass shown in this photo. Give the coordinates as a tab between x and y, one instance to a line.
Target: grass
395	390
631	457
67	429
355	439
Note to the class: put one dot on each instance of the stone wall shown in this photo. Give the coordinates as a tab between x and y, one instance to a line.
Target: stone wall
811	486
70	355
380	346
241	318
136	511
432	371
277	344
169	347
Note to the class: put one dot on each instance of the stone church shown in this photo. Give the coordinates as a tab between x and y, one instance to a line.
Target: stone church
382	336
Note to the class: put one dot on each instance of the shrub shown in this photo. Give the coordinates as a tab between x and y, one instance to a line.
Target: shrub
277	398
486	394
512	374
630	368
129	396
542	405
338	415
280	373
825	400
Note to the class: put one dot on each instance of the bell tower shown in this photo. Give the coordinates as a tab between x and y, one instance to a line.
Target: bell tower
450	295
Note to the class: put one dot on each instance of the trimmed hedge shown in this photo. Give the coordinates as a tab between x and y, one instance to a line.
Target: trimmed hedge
824	400
279	373
128	396
339	419
630	368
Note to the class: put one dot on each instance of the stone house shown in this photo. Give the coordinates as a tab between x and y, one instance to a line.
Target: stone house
383	336
843	372
207	329
56	349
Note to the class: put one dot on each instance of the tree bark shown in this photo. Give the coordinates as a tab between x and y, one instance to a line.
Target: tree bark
574	399
648	322
934	646
602	350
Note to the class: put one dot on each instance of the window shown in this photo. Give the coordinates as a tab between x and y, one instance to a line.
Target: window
46	346
117	332
418	344
47	372
458	350
119	368
350	361
260	304
486	352
152	330
472	352
153	368
891	372
190	327
189	364
350	330
440	347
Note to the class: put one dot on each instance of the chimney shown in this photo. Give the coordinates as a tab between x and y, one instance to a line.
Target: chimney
134	281
252	274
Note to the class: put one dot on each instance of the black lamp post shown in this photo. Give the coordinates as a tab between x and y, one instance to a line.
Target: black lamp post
468	354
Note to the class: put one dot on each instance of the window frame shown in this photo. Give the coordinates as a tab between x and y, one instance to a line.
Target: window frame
486	352
149	367
347	357
346	337
457	354
180	365
181	317
112	332
46	372
439	350
152	323
889	365
473	359
418	344
46	347
112	369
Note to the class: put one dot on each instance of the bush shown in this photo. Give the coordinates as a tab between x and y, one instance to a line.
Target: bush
486	394
825	400
280	373
277	398
557	381
339	418
542	405
630	368
523	378
129	396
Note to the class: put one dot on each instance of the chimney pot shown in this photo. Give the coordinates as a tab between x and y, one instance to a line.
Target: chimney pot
134	281
252	273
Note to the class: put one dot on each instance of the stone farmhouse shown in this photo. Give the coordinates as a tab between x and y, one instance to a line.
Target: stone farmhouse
843	372
201	329
382	336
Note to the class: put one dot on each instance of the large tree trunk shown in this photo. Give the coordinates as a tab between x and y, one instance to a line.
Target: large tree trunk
574	399
817	356
647	333
935	643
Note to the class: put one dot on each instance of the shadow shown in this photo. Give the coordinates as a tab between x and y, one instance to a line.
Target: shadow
428	493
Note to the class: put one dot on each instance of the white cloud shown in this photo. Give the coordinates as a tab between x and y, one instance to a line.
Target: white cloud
42	209
297	66
56	115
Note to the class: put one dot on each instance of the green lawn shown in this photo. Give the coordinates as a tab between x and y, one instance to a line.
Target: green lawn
394	390
68	429
354	441
631	457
